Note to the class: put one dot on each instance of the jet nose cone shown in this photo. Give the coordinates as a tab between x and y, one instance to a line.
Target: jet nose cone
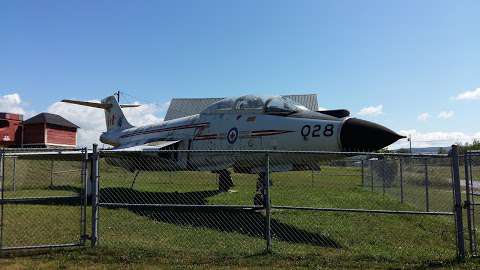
361	135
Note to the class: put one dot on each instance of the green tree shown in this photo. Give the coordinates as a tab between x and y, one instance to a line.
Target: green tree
441	151
474	146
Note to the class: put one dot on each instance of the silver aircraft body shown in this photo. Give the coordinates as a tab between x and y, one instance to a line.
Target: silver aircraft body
243	123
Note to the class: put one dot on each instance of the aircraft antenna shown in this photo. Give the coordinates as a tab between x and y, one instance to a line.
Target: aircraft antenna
118	96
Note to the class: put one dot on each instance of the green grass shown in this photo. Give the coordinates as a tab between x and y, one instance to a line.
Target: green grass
144	238
40	225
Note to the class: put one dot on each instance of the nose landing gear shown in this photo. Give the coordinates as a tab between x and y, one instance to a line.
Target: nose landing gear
260	193
225	181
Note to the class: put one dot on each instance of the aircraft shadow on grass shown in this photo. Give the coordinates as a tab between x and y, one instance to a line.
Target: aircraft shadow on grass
243	221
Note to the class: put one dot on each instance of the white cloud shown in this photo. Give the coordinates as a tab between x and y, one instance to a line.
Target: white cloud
144	115
371	111
445	114
469	95
11	103
322	108
92	120
429	139
423	117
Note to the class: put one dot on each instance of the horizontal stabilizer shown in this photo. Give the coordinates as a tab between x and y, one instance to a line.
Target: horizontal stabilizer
88	104
98	105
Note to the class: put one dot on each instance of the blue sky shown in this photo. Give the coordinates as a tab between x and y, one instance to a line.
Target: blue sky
404	58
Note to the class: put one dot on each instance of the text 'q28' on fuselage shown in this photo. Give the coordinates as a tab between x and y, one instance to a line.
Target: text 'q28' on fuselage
243	123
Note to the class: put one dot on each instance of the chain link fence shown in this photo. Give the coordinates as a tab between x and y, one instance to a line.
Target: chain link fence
421	182
219	202
42	198
149	202
234	203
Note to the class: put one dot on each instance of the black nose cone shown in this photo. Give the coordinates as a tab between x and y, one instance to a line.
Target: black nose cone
361	135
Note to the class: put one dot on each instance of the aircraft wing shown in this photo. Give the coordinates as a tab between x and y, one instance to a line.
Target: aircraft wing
156	145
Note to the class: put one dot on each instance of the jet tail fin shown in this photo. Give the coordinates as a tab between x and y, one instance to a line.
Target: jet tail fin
114	117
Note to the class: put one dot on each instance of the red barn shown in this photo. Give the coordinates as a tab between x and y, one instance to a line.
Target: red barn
10	129
48	130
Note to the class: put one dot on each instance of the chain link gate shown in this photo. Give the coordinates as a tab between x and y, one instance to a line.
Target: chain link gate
472	186
43	198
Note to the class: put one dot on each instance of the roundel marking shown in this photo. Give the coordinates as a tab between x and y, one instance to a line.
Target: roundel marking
232	135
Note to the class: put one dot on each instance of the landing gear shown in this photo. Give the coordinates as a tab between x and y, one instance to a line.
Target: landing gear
260	197
225	182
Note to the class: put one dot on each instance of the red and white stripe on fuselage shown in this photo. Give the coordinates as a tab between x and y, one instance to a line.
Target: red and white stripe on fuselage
251	134
159	130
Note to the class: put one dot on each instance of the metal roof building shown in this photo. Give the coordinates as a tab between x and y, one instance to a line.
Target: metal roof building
181	107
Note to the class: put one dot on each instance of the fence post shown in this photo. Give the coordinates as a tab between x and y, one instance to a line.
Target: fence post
14	173
266	203
401	181
2	186
363	174
426	182
472	206
468	201
94	196
383	175
84	199
51	173
371	173
457	204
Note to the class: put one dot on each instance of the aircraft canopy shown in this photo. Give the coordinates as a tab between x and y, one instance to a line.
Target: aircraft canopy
268	105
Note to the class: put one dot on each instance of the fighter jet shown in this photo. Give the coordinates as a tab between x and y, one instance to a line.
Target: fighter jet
243	123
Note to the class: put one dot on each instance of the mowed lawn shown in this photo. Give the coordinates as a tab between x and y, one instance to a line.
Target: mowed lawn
153	237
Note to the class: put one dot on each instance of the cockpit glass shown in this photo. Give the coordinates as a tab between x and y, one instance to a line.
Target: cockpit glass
222	105
283	106
249	102
269	105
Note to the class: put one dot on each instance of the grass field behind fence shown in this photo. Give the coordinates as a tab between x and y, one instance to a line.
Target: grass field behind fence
200	236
